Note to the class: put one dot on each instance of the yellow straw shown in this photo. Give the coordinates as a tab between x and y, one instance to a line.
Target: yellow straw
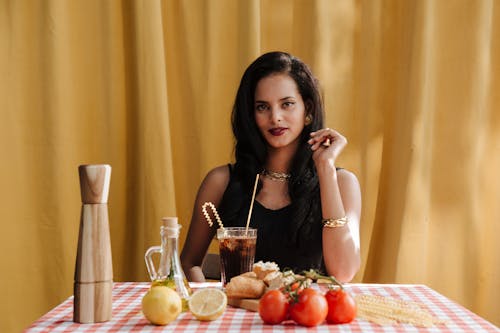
251	203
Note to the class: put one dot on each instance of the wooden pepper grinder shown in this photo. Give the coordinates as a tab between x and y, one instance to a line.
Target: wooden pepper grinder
94	269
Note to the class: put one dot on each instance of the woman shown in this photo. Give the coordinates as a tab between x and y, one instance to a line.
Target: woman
303	201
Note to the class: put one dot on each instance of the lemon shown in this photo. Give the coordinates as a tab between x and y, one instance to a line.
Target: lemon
207	304
161	305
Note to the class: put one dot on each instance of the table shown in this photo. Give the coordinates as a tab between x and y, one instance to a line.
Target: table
127	315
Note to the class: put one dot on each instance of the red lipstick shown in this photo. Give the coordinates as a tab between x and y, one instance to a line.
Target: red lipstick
277	131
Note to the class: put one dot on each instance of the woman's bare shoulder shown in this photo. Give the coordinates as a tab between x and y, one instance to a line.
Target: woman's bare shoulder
213	185
217	179
218	174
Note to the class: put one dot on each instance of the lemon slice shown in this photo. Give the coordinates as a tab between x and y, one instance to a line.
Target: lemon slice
207	304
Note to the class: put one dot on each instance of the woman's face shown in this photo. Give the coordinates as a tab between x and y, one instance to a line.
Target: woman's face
279	110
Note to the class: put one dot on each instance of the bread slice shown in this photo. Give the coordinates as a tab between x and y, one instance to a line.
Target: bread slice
263	268
274	280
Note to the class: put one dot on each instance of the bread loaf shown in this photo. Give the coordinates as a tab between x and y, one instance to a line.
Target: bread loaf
245	287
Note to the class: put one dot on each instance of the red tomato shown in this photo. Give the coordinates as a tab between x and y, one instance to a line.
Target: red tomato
296	287
310	309
341	307
273	307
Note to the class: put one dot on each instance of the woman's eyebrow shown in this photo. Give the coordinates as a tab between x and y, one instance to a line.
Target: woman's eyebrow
281	99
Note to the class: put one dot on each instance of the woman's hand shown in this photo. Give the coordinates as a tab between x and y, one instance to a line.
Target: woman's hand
326	144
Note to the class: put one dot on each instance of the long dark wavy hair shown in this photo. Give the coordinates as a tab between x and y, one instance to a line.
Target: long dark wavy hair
251	147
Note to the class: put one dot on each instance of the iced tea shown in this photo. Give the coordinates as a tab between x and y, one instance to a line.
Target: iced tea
237	251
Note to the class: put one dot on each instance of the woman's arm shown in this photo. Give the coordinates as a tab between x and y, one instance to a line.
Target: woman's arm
200	234
340	196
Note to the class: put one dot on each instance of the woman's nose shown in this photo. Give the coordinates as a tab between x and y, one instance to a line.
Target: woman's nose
276	115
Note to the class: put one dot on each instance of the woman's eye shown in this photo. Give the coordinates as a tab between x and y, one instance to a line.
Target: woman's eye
260	107
287	104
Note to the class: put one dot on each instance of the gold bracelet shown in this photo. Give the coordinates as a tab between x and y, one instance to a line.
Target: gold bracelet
335	223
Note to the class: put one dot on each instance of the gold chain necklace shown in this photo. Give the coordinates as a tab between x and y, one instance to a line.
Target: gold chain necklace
278	176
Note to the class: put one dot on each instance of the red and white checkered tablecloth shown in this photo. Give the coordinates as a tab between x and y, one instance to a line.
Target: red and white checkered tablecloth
127	315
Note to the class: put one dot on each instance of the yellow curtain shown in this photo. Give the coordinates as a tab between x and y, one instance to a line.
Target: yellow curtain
147	86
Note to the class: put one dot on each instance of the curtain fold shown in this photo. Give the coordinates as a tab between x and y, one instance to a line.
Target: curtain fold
148	87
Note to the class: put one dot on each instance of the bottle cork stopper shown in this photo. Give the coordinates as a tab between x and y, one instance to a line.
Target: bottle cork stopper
170	222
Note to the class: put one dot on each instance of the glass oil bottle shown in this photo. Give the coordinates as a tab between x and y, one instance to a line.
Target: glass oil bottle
169	272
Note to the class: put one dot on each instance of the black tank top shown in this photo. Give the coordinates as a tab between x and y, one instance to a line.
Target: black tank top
273	238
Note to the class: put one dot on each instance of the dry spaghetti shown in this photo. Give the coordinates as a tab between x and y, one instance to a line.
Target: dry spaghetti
386	311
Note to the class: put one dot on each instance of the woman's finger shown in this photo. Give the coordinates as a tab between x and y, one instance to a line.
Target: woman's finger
324	136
